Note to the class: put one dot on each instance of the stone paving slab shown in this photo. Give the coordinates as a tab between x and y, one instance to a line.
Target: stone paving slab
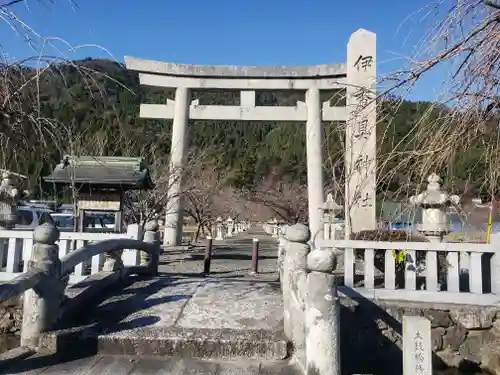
234	304
191	303
111	365
154	302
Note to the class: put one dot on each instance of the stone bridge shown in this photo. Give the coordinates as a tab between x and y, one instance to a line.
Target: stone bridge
298	314
168	311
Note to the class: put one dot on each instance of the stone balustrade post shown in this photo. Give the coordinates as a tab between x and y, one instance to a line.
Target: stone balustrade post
274	227
8	211
281	252
114	260
131	257
294	287
161	224
151	235
41	306
322	315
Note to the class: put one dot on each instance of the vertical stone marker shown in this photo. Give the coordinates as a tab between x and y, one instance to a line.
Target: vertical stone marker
417	350
361	138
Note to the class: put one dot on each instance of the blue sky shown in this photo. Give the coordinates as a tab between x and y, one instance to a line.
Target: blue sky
223	32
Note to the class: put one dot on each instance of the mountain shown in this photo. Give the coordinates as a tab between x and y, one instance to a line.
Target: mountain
90	107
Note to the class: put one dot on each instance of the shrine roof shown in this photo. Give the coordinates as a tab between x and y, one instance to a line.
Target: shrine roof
125	172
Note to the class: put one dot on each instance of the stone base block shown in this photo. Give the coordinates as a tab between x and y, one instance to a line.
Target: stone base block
172	342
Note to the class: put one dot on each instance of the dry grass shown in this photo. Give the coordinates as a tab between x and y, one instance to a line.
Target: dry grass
472	237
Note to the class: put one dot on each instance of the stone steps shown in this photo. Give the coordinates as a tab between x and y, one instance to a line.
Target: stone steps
225	344
180	316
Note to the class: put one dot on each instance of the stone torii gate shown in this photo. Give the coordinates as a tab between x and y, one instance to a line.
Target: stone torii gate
357	77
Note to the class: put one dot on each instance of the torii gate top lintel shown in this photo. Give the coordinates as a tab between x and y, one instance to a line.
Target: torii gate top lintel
236	71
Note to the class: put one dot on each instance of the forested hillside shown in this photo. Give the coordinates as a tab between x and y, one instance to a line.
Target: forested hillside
91	107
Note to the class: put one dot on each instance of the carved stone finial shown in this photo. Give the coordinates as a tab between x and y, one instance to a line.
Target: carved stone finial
321	260
455	199
297	233
14	193
434	182
434	178
152	226
46	233
330	204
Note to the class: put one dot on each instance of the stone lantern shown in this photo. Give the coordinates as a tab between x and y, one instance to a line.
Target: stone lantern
330	209
230	226
220	235
434	203
8	202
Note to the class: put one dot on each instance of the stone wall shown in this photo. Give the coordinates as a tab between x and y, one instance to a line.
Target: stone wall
467	338
11	315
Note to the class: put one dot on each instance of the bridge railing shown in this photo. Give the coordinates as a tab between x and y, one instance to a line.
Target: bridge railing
316	274
458	273
16	247
44	283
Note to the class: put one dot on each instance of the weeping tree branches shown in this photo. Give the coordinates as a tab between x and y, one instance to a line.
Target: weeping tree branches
30	117
287	201
458	136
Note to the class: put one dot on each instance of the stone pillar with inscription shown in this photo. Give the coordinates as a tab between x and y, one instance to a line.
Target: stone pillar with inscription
417	346
361	141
